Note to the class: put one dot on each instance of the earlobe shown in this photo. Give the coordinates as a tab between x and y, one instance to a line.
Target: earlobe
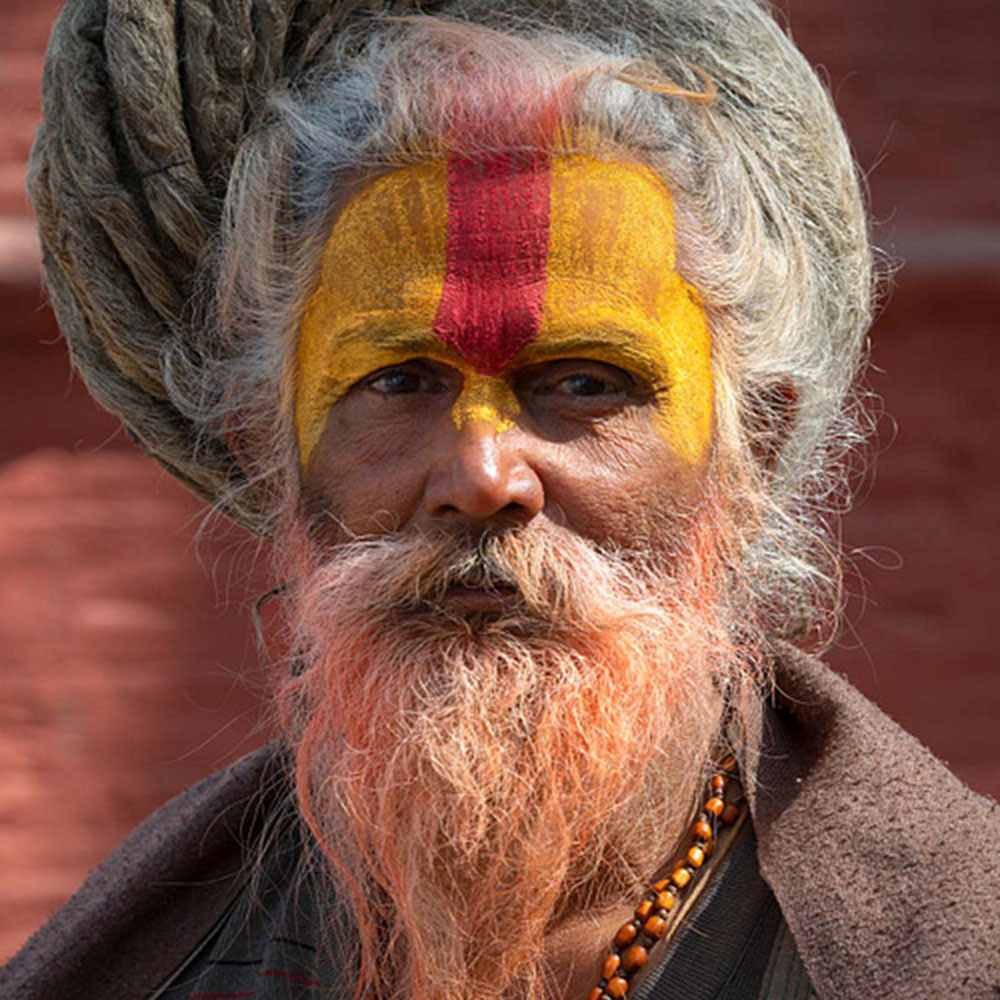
772	420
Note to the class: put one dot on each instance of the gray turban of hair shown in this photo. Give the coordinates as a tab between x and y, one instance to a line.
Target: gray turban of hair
145	104
148	104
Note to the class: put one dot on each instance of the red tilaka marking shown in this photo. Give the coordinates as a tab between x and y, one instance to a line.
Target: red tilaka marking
498	240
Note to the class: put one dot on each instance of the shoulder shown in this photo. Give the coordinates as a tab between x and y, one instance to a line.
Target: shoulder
143	909
886	866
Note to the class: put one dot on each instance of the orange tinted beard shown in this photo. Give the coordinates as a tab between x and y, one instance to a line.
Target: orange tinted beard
530	763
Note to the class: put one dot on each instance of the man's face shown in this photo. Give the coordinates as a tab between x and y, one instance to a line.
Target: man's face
508	595
500	341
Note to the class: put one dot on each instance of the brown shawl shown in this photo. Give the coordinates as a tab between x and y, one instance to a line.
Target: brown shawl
885	866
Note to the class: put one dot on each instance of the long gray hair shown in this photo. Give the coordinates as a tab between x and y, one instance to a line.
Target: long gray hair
770	219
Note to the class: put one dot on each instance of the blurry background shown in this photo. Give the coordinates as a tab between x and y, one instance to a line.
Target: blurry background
126	665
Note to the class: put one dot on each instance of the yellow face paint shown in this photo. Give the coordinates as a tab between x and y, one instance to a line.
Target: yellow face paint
488	398
614	295
380	282
610	293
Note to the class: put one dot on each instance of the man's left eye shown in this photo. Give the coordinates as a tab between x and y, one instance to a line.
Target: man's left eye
578	379
578	390
588	385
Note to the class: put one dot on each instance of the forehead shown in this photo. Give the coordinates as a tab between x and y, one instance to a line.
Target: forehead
491	263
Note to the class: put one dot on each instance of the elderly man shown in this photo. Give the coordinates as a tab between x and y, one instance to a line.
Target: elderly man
527	332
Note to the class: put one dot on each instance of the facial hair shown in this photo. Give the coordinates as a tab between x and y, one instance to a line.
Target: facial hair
473	779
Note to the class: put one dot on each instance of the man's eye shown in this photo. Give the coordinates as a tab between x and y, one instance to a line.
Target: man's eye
579	390
587	385
396	383
580	380
404	381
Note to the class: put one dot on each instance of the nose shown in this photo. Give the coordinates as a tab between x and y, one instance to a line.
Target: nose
482	473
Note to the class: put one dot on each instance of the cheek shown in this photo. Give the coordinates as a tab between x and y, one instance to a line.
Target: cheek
607	486
363	481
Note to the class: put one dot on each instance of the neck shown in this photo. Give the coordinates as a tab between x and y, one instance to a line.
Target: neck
574	949
577	943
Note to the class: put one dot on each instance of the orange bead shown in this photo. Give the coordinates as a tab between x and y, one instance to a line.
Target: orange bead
596	993
715	805
616	987
702	830
666	900
626	935
728	763
643	910
655	927
719	782
730	814
635	958
661	885
611	965
695	857
681	877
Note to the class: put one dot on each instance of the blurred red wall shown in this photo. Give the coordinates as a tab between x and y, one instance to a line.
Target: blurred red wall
125	654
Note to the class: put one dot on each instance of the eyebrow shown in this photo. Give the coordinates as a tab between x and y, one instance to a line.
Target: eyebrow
612	344
621	345
388	339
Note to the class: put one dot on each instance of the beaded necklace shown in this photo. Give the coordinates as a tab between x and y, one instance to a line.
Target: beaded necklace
652	920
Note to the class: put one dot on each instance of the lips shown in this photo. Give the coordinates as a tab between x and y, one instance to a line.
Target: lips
480	596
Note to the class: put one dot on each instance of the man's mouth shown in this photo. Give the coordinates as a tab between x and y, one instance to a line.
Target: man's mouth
479	597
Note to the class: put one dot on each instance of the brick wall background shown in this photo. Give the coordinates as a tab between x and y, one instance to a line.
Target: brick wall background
126	667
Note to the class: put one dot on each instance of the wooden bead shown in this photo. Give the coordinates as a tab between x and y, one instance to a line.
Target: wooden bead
715	805
665	900
616	987
702	830
652	914
730	814
681	877
626	934
695	856
612	963
635	958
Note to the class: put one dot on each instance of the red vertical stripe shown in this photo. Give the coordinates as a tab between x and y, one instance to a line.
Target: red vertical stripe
497	243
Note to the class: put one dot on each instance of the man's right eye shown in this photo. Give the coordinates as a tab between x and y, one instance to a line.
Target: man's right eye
405	381
396	383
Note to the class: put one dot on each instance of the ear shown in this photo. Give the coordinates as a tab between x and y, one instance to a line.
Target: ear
775	412
247	446
238	443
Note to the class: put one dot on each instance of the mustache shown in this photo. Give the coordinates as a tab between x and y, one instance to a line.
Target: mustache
544	574
418	572
480	563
